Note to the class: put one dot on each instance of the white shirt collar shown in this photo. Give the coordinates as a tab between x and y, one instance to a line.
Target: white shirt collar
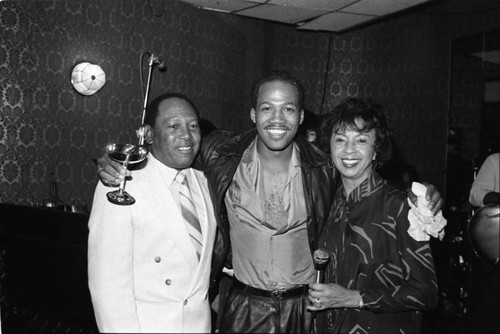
168	174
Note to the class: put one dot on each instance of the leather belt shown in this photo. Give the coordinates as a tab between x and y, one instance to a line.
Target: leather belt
278	294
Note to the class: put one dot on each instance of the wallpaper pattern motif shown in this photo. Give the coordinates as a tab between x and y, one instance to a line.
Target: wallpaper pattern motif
50	132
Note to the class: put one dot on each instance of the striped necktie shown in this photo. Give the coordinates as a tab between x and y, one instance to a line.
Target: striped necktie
189	212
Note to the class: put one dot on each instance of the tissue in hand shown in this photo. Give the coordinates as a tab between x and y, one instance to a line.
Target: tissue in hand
423	223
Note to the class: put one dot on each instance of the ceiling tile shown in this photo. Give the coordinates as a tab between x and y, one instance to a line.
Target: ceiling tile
221	5
376	8
330	5
410	3
283	14
327	15
335	22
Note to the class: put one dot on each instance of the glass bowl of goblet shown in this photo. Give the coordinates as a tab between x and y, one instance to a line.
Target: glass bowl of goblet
126	154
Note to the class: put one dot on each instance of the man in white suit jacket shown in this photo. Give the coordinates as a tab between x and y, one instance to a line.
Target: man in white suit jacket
144	273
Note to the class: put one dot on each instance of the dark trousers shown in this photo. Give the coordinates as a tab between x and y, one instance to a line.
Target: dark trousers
246	312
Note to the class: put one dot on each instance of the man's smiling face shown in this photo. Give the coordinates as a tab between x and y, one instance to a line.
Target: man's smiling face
277	115
175	137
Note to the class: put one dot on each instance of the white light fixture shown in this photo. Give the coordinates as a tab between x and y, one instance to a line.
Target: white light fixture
87	78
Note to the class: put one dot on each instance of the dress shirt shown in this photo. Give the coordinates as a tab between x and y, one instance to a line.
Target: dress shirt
168	174
273	252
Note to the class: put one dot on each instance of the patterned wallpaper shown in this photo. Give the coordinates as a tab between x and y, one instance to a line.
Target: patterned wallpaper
48	131
466	100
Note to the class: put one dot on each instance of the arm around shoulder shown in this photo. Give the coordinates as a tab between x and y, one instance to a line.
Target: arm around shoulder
209	144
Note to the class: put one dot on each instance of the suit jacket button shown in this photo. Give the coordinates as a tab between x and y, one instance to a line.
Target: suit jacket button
185	302
168	282
157	259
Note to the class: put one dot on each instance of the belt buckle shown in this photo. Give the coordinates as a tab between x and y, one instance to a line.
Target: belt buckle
279	294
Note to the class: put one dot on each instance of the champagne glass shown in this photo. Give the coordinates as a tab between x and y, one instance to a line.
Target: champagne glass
126	154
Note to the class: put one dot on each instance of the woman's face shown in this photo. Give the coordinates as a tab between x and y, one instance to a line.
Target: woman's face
353	153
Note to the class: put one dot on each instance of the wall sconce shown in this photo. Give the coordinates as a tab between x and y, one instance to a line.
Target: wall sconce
87	78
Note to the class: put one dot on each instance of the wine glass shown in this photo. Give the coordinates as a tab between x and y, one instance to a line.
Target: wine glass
126	154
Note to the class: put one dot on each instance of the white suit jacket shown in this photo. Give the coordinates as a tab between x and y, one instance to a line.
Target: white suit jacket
144	274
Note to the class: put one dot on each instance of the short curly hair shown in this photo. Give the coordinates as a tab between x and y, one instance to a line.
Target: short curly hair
278	75
152	108
373	116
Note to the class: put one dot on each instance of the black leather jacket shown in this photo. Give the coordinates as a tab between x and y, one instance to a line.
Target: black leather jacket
220	154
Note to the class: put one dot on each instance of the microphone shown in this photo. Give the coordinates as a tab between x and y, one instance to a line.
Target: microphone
321	257
158	61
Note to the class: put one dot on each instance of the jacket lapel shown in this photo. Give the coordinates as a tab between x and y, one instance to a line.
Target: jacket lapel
207	221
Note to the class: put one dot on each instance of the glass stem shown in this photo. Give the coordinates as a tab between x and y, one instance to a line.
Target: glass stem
122	184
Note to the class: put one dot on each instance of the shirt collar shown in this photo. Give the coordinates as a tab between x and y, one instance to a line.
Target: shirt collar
168	174
251	156
366	188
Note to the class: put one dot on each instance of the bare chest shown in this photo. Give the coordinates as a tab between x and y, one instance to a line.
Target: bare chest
275	207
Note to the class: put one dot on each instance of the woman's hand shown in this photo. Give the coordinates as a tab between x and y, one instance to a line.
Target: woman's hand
436	201
110	172
332	295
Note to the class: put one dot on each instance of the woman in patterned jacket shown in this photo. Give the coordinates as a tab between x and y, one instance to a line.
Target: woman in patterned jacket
379	278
